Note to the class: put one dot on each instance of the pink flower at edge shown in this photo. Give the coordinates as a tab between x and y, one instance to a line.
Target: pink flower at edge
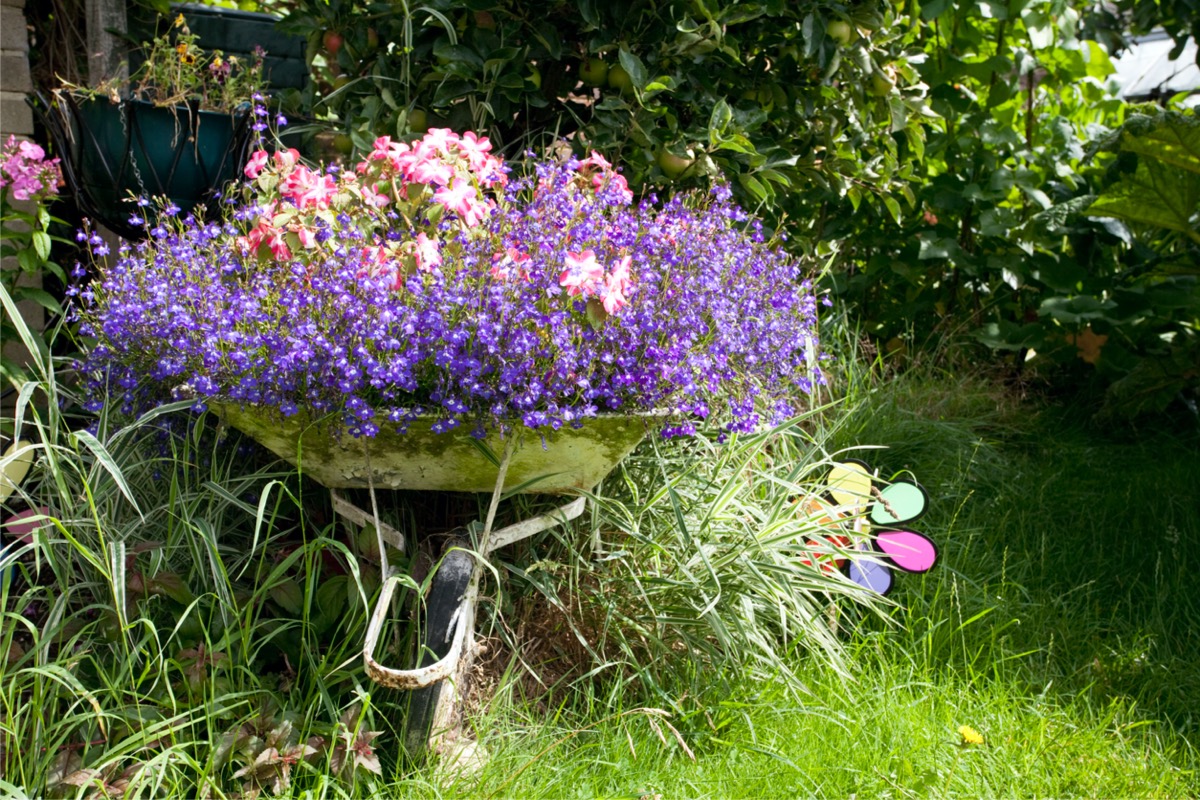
286	159
475	148
307	236
438	140
255	165
372	197
308	189
31	151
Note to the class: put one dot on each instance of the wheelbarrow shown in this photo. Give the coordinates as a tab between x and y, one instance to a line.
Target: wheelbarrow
570	461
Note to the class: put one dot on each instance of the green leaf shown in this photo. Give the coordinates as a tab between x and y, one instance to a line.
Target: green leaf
105	460
288	595
899	113
718	121
634	66
28	260
1175	140
1039	26
1157	193
753	186
934	8
168	584
596	313
587	10
39	296
893	207
938	248
458	53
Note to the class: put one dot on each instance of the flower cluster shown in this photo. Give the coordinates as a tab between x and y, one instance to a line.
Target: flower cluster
430	279
178	71
24	168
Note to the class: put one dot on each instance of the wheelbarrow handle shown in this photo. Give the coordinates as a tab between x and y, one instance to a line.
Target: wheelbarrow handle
408	678
527	528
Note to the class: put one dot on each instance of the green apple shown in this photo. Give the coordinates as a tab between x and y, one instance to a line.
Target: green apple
882	81
593	71
619	79
839	30
672	165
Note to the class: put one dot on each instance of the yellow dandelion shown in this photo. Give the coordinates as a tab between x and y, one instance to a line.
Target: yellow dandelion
970	735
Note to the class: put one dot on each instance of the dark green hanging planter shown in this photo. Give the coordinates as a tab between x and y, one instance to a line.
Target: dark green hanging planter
118	151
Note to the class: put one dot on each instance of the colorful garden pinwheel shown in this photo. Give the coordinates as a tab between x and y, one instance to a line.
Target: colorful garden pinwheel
876	520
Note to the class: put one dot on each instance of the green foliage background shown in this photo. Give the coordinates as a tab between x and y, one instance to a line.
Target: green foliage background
949	158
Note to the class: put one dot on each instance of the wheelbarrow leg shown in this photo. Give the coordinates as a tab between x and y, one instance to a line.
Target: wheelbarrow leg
443	605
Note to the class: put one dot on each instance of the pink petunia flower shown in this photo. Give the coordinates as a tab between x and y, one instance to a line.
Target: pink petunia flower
616	286
582	275
255	165
428	255
286	159
509	263
463	200
308	237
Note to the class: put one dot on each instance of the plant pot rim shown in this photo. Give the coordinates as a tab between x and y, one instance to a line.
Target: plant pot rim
92	98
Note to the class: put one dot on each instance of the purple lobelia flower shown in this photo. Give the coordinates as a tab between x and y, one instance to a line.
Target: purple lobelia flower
432	280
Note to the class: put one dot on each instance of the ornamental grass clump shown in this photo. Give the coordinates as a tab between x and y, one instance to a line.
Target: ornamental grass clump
431	279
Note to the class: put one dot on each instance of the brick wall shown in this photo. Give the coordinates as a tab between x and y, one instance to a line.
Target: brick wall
16	117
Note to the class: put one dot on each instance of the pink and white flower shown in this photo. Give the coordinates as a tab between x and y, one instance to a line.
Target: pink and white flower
463	199
582	275
616	286
258	160
510	263
428	254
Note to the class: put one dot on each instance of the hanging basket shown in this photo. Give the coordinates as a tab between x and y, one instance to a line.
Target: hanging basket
115	151
565	461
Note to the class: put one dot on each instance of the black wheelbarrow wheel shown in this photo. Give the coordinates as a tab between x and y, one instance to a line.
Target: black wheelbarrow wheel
442	603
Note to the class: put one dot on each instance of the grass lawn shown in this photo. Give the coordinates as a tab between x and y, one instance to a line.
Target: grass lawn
1060	624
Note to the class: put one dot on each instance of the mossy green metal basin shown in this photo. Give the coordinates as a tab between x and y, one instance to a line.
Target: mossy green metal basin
564	462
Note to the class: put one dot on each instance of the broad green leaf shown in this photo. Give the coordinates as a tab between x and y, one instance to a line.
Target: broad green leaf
1175	140
1157	193
893	207
753	186
289	596
41	297
718	121
938	248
